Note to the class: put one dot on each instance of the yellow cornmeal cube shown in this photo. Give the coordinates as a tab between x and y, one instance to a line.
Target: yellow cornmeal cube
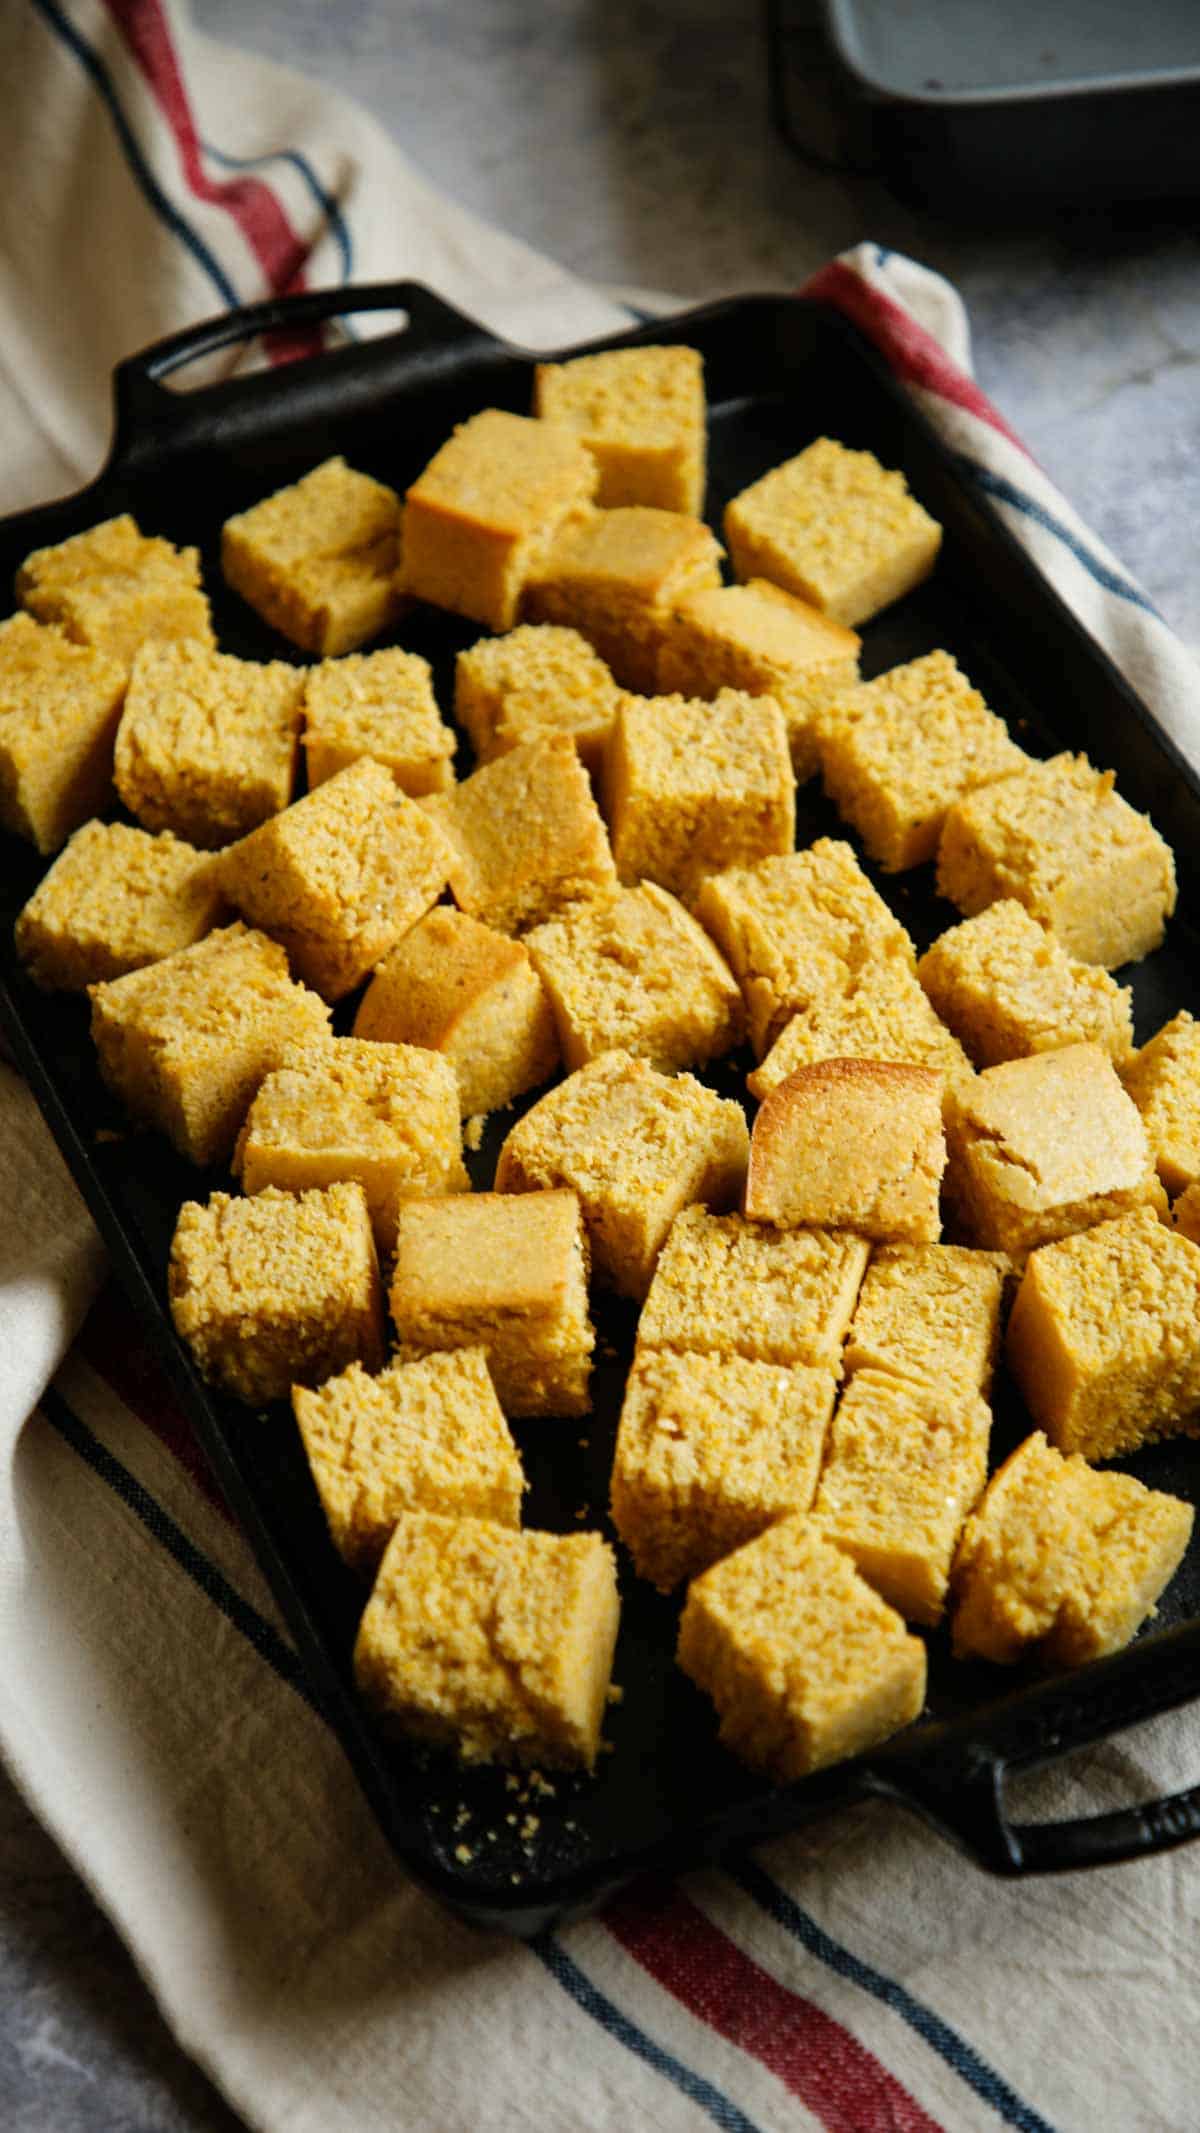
318	560
477	521
851	1144
804	1663
1104	1336
525	836
710	1450
883	1014
113	587
833	527
113	901
1163	1079
641	414
276	1291
186	1041
633	972
339	876
691	787
463	990
508	1273
1063	842
429	1435
759	638
379	704
496	1644
796	929
208	744
616	575
59	708
725	1286
897	752
930	1313
1007	987
538	679
386	1114
637	1146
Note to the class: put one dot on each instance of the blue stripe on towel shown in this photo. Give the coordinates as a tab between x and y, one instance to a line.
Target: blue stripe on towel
325	200
1007	492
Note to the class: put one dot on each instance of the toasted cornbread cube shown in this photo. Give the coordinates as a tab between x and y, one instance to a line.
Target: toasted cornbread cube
632	971
276	1291
805	1664
883	1014
339	876
428	1435
694	787
526	836
636	1147
616	575
851	1144
461	989
835	528
494	1643
59	708
1007	987
725	1286
929	1313
796	929
113	901
1104	1336
1063	842
318	560
1186	1213
186	1041
538	679
112	587
1043	1146
208	744
508	1273
379	704
479	519
1164	1082
641	414
758	638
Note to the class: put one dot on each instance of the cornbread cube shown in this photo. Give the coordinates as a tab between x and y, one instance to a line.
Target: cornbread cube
1063	842
422	1436
1062	1560
208	744
641	414
477	521
113	901
851	1144
1104	1336
379	704
633	972
318	560
339	876
897	752
805	1664
636	1147
456	987
1043	1146
1007	987
694	787
758	638
883	1014
112	587
615	577
525	834
276	1291
1164	1082
386	1114
835	528
538	679
710	1450
186	1041
726	1286
1186	1213
59	708
494	1643
929	1313
796	929
508	1273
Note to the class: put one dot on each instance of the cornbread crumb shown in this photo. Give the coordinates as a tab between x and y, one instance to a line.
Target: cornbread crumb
835	528
693	787
208	744
1186	1213
1007	987
526	836
641	414
379	704
758	638
851	1144
112	587
318	560
726	1286
616	575
1163	1079
929	1313
59	708
538	679
882	1014
114	900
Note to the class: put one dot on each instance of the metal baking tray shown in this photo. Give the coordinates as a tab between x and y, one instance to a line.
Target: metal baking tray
780	370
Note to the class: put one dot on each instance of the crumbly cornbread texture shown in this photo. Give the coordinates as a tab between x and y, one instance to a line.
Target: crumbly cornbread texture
494	1643
836	528
726	1286
929	1313
851	1144
379	704
693	787
759	638
208	744
540	678
616	575
113	587
59	708
318	560
1060	839
637	1147
641	414
526	835
1164	1082
804	1662
882	1014
113	901
276	1291
1007	987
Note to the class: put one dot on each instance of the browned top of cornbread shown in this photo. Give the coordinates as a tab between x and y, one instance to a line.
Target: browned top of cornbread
505	472
490	1252
854	1144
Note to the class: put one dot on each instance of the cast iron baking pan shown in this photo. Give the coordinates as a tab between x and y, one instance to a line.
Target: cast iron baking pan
780	371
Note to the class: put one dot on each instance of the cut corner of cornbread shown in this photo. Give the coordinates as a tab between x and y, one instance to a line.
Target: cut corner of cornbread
854	1144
